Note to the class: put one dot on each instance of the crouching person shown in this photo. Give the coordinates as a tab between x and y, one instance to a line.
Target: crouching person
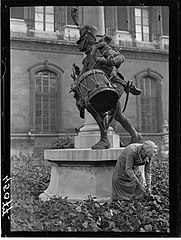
127	180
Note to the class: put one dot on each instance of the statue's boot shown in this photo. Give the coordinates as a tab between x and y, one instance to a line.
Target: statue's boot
103	142
135	136
132	88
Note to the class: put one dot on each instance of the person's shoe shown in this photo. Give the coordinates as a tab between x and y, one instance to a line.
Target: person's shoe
102	144
134	90
136	138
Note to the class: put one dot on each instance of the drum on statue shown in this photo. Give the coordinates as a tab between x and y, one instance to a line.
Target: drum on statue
97	91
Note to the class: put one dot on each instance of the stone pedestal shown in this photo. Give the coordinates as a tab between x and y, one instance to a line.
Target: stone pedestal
81	172
78	173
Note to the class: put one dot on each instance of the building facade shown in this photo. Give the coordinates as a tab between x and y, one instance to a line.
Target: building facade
43	49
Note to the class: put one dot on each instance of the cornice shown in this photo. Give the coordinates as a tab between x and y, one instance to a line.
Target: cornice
61	46
44	45
142	54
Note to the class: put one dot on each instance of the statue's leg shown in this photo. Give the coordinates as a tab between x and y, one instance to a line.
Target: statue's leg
125	122
103	143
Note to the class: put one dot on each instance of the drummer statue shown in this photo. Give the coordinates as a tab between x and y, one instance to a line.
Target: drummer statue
107	58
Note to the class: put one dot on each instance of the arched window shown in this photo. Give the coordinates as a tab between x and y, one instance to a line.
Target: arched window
44	91
45	101
149	102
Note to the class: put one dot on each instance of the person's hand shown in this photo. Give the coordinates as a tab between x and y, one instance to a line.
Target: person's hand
101	60
148	190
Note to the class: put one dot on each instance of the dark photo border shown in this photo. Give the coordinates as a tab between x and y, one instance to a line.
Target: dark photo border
174	117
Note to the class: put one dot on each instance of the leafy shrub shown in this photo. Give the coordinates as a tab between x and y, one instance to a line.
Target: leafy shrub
63	143
146	214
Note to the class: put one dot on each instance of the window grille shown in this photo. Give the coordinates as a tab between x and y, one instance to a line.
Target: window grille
149	105
45	102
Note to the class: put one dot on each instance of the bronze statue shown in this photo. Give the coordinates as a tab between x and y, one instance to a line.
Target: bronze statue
99	85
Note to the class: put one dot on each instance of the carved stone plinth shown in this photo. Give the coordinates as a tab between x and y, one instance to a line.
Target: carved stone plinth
78	173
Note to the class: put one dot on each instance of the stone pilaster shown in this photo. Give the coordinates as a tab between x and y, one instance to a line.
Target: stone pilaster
95	16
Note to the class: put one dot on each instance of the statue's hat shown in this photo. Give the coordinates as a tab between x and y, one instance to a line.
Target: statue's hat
87	31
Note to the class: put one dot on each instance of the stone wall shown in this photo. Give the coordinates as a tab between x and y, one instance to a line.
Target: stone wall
26	52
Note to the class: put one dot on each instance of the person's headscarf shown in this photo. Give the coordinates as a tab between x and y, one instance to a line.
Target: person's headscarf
150	148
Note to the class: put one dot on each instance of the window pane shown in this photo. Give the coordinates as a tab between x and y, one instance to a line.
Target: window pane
45	106
38	113
39	9
45	113
45	73
45	128
145	21
45	89
38	128
38	88
49	9
39	17
138	36
52	120
49	27
38	106
52	98
137	12
145	13
38	98
52	105
138	20
53	85
38	80
45	82
45	98
45	121
38	120
138	29
49	18
39	26
146	38
145	29
52	113
52	127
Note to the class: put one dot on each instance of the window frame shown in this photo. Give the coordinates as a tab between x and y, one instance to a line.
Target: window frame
50	67
44	18
42	77
155	76
142	25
